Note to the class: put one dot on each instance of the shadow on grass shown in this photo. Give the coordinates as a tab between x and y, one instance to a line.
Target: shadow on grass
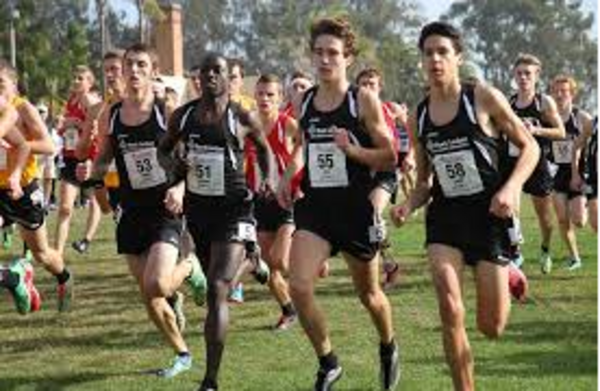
68	381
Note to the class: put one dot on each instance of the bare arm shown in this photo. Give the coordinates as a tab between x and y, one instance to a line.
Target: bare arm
421	193
255	134
578	147
31	123
8	119
22	149
382	157
556	131
89	129
507	122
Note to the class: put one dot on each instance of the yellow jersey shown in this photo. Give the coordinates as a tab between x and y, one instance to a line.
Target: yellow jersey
8	157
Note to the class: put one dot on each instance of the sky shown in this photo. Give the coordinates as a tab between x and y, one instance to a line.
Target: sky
432	9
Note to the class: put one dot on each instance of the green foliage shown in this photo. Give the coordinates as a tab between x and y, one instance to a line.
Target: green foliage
557	31
51	40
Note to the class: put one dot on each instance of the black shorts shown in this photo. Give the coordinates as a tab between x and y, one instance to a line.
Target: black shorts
388	181
139	229
220	222
469	228
541	182
68	170
114	197
591	186
270	216
349	225
28	211
562	183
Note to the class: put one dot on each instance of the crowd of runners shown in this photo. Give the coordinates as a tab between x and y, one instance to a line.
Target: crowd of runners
275	183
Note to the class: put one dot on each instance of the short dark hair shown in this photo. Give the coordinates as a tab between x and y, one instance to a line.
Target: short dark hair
143	48
268	78
116	54
369	72
442	29
337	27
236	62
300	74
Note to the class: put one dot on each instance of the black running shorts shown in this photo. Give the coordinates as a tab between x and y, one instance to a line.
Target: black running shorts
139	229
28	211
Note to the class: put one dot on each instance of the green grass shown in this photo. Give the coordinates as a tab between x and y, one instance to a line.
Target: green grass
107	343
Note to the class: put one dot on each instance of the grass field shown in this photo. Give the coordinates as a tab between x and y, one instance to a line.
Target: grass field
107	343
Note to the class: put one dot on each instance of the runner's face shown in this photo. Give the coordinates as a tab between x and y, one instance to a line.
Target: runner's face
81	82
297	87
268	97
328	58
371	83
8	86
440	60
214	77
526	76
195	80
138	70
236	81
561	92
113	73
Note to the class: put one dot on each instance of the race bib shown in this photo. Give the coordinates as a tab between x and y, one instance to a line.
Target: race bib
327	166
246	232
513	150
71	137
206	175
143	169
562	151
457	174
3	158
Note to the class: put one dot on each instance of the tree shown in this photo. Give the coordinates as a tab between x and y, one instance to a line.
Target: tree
557	31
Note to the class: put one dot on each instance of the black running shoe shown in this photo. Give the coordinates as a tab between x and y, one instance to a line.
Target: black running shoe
390	369
81	246
327	377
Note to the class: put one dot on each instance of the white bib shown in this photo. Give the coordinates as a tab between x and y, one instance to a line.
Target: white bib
3	158
327	166
404	144
246	232
143	169
562	151
513	150
458	174
71	137
206	175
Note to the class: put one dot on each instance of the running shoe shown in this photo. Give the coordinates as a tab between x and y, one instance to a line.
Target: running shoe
65	294
517	283
326	378
21	295
181	363
236	294
518	260
197	281
261	272
574	264
81	246
35	297
545	262
285	322
389	368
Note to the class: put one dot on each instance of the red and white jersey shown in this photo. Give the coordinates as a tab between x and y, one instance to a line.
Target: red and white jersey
280	152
